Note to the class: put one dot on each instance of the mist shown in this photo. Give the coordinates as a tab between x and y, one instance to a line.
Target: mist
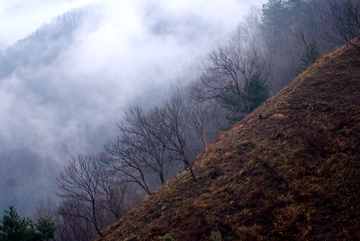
65	79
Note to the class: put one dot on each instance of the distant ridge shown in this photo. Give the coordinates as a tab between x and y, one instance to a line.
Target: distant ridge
47	42
26	174
289	171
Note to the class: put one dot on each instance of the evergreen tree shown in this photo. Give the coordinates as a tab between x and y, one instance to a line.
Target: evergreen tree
45	228
254	93
274	14
14	228
275	22
311	55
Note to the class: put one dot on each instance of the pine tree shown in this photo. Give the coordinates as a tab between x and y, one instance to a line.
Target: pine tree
14	228
254	93
311	55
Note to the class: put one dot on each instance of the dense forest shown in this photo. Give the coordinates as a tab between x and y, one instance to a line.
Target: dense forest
268	49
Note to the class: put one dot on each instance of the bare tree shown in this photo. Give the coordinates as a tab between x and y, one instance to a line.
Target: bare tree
113	194
124	159
174	121
346	21
147	137
199	119
140	149
86	183
205	117
92	197
70	226
44	208
229	69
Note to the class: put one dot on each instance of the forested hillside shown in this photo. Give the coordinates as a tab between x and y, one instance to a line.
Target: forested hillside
287	171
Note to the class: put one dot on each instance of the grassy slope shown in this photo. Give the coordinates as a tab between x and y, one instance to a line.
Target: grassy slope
288	171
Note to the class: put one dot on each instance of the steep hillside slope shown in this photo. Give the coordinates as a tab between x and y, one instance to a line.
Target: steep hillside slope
288	171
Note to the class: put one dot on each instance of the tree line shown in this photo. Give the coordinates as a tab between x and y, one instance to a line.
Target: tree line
265	52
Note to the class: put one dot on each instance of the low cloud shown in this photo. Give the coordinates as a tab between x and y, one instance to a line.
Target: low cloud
111	60
68	104
19	18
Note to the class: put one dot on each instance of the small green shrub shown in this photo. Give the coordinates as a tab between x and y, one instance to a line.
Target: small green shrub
216	236
170	237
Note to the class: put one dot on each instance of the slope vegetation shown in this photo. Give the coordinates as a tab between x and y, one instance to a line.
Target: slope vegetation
288	171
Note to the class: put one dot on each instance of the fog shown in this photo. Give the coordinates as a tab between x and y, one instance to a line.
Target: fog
20	18
63	93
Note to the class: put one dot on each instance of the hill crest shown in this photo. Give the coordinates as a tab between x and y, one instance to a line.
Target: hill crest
289	171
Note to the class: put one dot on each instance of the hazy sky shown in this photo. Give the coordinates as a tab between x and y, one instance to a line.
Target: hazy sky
21	17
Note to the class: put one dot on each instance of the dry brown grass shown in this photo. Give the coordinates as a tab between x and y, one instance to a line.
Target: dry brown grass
293	174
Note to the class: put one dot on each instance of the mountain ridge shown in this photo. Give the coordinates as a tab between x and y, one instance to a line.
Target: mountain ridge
47	42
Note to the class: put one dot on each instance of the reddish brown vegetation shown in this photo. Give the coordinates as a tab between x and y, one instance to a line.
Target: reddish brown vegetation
288	171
